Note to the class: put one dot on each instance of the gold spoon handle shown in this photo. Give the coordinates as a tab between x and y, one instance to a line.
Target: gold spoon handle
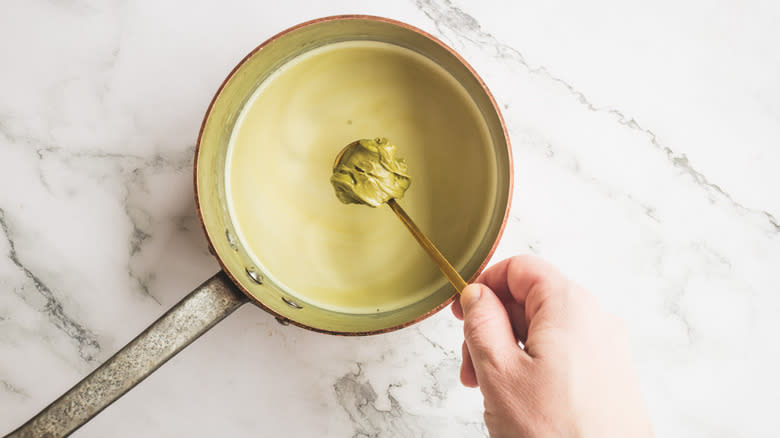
445	266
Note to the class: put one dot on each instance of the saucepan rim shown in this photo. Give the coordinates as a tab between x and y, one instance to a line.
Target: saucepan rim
218	93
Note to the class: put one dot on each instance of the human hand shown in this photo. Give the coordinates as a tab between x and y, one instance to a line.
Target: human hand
574	378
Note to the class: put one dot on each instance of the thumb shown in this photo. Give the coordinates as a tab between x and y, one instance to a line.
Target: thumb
488	331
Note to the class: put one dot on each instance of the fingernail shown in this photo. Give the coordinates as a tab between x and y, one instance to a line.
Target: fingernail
470	295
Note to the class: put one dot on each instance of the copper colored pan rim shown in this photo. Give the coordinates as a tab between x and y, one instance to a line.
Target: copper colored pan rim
337	18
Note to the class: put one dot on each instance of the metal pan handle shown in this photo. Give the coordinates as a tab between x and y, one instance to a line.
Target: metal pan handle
213	300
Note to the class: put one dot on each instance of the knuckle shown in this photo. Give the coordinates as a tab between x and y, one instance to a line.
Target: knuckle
472	327
523	259
567	293
475	324
519	262
483	353
477	318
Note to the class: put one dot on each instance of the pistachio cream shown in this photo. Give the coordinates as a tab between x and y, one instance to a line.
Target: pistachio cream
349	258
368	172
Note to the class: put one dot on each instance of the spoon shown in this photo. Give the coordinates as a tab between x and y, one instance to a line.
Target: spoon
438	258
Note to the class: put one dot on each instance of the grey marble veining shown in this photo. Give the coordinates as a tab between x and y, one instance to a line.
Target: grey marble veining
644	139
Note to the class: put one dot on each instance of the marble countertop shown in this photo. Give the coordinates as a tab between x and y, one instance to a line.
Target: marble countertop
645	138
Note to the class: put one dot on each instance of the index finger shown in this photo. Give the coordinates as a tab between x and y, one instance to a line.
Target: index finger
523	276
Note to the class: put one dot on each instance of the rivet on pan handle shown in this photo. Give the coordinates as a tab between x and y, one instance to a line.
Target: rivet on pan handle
177	328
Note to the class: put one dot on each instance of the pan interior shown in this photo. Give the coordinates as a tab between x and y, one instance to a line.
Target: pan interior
350	258
264	157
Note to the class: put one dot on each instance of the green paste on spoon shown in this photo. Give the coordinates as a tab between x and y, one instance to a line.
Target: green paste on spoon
368	172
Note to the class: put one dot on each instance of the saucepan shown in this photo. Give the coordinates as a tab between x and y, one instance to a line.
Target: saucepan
243	279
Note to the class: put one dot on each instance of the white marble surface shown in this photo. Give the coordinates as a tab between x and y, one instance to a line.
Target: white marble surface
646	141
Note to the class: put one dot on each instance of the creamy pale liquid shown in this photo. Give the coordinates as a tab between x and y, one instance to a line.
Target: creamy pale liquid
354	258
